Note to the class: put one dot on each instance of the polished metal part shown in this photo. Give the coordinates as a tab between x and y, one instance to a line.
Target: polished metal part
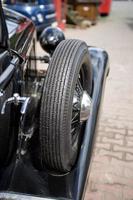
16	100
76	103
1	93
75	99
85	107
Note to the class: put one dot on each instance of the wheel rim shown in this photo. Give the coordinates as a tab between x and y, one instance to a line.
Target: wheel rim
81	108
75	122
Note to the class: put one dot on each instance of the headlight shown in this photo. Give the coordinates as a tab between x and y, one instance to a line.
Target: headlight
40	17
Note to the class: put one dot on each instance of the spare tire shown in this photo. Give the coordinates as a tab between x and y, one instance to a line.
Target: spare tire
69	73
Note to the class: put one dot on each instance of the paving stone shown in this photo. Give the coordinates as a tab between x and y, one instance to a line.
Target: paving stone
127	193
117	155
109	196
130	132
112	141
121	163
116	123
94	195
105	171
101	128
122	149
119	136
114	130
98	139
129	143
129	156
109	134
103	146
128	172
113	192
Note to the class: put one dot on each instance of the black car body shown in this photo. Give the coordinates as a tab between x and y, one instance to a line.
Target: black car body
22	39
21	176
20	30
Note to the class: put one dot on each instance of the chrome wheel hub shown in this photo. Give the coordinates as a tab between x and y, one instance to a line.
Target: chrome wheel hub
81	109
85	107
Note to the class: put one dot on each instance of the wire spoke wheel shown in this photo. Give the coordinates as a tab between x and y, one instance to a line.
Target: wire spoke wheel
75	122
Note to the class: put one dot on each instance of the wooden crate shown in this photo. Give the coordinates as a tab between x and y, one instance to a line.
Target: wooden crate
88	10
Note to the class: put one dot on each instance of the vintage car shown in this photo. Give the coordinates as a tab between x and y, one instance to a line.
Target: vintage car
48	119
41	12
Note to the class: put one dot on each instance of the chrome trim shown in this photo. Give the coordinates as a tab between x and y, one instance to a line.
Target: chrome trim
85	107
16	100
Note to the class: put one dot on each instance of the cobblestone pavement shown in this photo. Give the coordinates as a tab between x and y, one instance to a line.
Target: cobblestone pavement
111	172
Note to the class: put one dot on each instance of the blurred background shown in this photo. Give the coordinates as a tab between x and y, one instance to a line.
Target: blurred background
109	25
61	13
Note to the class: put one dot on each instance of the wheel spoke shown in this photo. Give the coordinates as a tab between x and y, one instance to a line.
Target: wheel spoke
80	88
75	122
72	131
74	117
76	107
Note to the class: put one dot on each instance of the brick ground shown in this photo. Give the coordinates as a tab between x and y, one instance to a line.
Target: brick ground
111	173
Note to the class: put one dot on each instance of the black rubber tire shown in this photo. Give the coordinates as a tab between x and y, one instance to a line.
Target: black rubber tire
57	152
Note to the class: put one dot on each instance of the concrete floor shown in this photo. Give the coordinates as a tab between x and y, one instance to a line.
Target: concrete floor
111	172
